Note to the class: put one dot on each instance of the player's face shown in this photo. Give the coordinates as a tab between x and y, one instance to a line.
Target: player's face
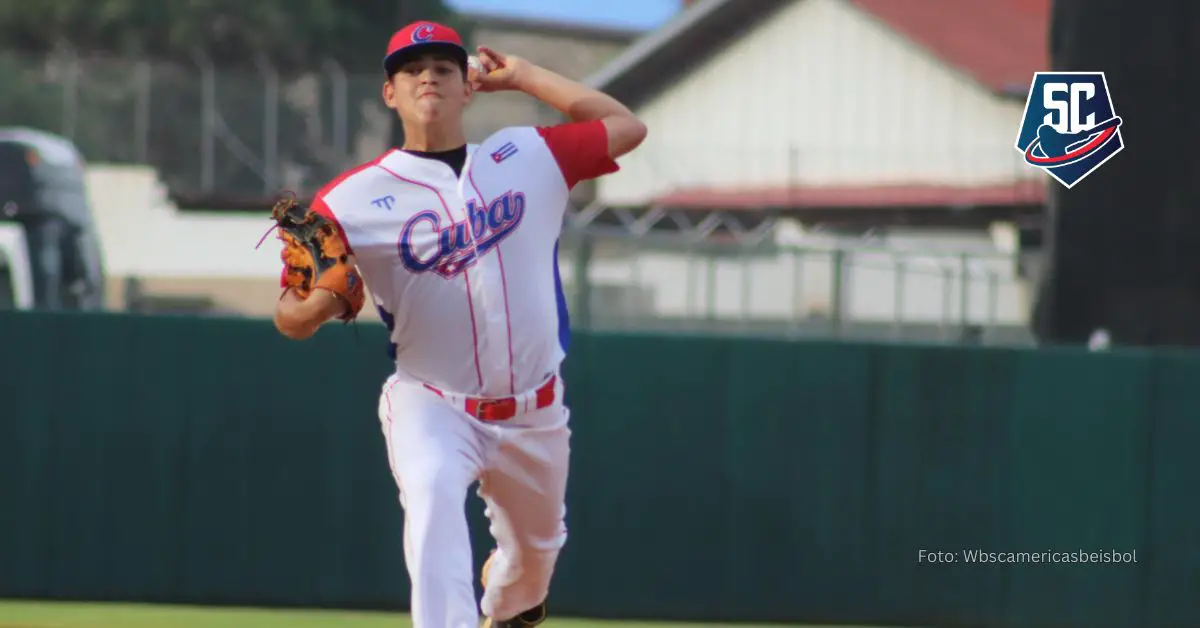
428	89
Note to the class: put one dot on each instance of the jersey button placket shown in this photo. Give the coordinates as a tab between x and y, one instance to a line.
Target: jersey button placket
478	281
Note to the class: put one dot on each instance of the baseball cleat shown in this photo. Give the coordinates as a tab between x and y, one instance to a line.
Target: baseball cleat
531	617
527	619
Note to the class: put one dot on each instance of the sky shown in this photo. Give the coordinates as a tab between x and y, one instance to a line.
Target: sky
632	14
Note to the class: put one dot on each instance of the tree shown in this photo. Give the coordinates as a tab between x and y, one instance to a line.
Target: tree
231	32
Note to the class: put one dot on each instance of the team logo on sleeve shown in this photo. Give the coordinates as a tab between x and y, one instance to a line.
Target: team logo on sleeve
428	246
1070	127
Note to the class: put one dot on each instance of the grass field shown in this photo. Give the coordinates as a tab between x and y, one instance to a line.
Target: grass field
22	614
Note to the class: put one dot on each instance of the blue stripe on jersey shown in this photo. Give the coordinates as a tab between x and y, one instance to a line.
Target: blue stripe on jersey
389	321
564	322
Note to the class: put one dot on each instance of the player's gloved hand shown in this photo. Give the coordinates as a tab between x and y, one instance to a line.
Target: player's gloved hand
316	258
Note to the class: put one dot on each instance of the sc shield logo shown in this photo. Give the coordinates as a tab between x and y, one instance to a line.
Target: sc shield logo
1070	127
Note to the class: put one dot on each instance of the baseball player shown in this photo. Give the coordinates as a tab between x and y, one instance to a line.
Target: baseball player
457	244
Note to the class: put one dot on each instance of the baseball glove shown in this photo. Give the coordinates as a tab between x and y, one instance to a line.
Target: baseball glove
315	256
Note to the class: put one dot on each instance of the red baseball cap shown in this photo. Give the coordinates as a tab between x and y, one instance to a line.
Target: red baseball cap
423	35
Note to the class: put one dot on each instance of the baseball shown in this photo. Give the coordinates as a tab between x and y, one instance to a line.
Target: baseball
474	63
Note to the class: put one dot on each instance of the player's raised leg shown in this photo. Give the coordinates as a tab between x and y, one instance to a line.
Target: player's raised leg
524	492
434	456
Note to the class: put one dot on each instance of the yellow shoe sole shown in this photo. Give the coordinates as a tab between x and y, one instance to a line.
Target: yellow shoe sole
487	566
483	578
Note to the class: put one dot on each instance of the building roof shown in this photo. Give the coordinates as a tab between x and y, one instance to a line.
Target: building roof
885	205
999	43
848	197
551	27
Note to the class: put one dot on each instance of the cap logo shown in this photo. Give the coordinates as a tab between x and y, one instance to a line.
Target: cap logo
422	33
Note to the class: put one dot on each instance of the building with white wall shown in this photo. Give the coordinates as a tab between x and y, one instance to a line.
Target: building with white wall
201	261
756	103
880	128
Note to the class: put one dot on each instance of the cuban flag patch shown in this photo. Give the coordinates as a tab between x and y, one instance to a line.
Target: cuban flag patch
504	152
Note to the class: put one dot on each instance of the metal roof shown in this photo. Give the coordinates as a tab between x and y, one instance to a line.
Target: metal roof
999	43
695	34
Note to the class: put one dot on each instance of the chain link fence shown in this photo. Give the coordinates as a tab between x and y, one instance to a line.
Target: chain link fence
209	132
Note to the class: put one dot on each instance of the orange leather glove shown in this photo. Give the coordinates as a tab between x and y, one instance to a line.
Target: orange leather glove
315	256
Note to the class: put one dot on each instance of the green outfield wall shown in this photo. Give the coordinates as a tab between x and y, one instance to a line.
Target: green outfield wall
213	461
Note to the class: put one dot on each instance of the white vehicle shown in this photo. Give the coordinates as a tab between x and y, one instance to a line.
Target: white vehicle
50	255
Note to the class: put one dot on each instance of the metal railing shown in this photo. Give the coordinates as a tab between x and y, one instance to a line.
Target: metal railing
843	291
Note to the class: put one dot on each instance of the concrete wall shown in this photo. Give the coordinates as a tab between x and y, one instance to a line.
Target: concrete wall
204	255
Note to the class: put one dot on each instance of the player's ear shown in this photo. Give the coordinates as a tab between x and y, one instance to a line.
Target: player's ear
389	94
468	89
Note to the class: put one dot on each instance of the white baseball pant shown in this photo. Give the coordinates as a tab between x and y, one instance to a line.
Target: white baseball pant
436	451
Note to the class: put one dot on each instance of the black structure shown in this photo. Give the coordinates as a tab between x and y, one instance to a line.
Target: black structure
1123	246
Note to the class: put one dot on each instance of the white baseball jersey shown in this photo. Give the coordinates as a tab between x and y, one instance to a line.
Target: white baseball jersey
464	270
